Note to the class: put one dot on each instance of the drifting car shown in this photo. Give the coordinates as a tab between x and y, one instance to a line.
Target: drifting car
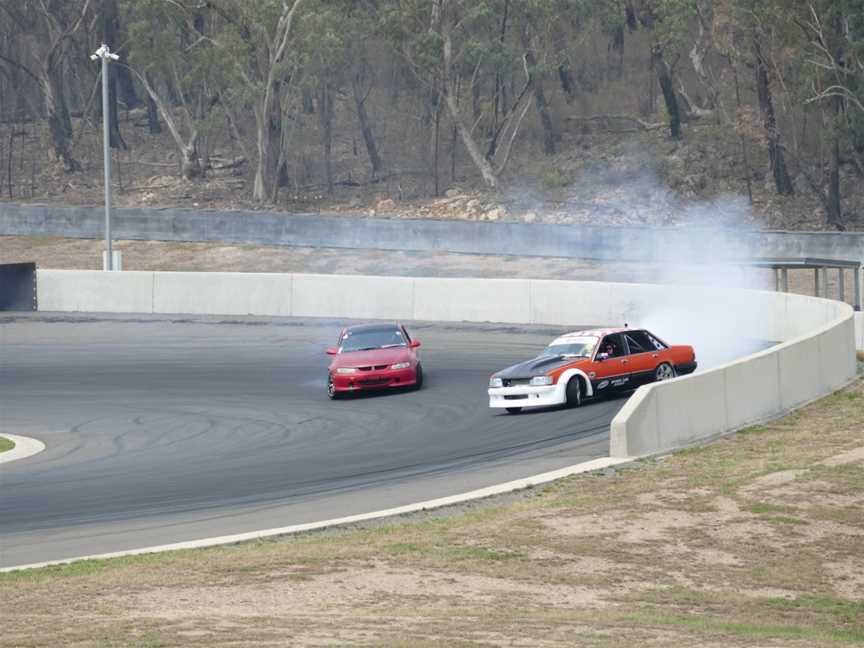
583	364
372	357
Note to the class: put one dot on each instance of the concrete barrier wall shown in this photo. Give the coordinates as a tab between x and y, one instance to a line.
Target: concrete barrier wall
509	238
95	292
222	293
859	331
353	296
473	300
815	357
807	364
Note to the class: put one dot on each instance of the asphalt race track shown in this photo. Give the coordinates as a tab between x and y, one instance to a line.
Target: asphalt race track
163	430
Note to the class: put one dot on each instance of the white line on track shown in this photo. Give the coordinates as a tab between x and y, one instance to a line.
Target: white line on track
595	464
24	447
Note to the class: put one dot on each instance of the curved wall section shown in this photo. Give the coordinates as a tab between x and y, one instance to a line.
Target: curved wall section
816	354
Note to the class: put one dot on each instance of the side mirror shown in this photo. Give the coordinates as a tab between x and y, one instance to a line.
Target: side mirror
601	357
332	350
415	344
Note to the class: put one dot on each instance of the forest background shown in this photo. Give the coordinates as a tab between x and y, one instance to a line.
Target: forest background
569	111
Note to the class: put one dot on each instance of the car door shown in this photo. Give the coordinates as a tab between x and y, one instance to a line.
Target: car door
613	372
643	357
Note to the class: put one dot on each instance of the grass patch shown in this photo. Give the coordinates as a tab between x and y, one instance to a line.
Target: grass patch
847	611
481	553
6	444
82	568
131	642
555	179
711	626
785	519
761	508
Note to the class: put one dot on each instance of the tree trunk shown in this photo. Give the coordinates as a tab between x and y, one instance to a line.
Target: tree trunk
834	207
127	88
500	99
123	76
308	101
435	145
782	181
550	135
485	167
190	162
153	125
454	139
565	73
59	121
744	155
365	126
110	23
268	118
325	114
664	75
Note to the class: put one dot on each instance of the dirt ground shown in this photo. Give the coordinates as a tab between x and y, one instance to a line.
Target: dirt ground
83	254
756	540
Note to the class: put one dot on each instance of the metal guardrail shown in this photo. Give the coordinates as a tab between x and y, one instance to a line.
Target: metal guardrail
820	267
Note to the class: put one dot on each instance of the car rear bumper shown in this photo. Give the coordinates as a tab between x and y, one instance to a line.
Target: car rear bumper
368	380
685	368
526	396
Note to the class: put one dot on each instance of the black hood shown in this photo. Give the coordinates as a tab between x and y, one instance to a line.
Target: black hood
536	367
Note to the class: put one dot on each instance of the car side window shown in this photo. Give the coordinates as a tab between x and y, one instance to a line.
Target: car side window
633	345
612	345
639	342
657	344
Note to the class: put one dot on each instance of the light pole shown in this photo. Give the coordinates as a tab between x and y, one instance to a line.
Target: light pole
105	54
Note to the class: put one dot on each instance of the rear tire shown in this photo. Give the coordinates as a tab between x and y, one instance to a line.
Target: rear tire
419	378
574	392
664	371
513	410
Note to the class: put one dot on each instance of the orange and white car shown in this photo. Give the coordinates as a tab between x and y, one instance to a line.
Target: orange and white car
583	364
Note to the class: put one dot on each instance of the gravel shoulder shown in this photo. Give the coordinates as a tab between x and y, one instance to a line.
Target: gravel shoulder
753	540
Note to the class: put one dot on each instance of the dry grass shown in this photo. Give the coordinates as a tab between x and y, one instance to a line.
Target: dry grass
756	539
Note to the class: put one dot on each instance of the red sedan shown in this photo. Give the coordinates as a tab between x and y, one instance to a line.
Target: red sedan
373	356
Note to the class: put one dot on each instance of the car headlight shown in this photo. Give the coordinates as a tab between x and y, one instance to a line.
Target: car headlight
496	382
346	370
401	365
541	380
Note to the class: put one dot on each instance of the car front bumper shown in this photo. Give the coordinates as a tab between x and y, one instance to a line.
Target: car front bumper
368	380
526	396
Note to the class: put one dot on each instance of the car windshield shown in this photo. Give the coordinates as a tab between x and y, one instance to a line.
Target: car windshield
572	348
372	339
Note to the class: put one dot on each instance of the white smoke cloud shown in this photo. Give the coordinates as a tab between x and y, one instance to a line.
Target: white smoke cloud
706	249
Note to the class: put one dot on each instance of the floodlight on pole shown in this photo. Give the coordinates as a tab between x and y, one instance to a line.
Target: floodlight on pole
107	56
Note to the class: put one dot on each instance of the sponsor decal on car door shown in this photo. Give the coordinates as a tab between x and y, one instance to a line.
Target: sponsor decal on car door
613	372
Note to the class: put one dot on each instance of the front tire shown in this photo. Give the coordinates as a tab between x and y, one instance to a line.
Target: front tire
574	392
664	371
513	410
332	394
418	380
